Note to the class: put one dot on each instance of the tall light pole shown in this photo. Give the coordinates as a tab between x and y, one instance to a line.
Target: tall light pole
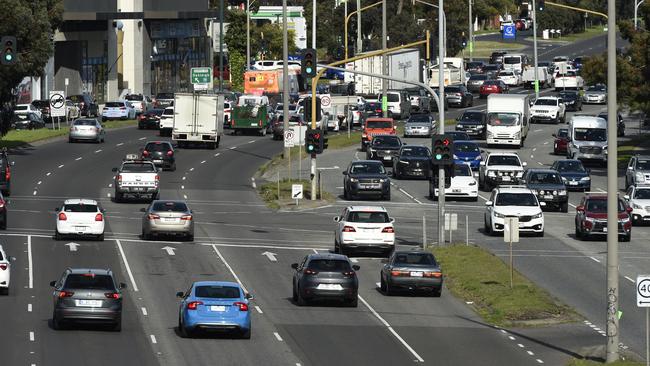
359	39
441	121
345	25
285	80
612	190
384	61
444	23
314	182
471	32
248	34
636	9
221	46
535	61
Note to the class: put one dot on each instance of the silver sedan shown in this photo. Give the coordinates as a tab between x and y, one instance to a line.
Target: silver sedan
168	217
87	129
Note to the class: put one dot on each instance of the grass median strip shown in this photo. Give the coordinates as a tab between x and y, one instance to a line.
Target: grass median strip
18	138
482	279
576	362
269	193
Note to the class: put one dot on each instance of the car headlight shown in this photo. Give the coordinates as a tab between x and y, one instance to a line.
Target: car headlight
479	127
383	180
538	216
496	214
625	220
564	180
585	179
520	174
459	126
473	183
354	180
455	156
562	192
639	177
491	173
516	135
638	207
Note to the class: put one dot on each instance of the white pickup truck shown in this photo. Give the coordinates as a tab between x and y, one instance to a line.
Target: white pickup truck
137	179
569	80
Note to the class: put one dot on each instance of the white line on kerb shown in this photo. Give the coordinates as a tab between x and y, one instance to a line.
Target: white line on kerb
153	339
596	260
259	310
229	268
48	174
144	311
126	264
30	261
31	336
120	144
629	279
277	336
61	166
29	308
399	338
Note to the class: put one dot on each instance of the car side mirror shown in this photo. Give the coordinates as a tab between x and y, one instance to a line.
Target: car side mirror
580	208
626	197
52	283
630	168
143	210
180	294
542	204
628	209
524	164
345	173
114	169
249	296
336	219
392	220
122	285
294	265
356	267
488	203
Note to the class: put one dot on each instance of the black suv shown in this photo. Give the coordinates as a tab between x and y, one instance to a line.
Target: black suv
548	186
412	161
5	173
366	177
384	148
161	153
87	105
87	295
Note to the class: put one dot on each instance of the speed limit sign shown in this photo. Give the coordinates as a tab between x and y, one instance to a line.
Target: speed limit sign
643	291
325	101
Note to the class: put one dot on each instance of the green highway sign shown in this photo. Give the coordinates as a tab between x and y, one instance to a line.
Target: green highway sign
201	78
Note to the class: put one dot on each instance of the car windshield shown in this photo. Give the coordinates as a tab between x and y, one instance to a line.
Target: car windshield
165	96
452	89
590	134
472	65
506	73
643	164
545	178
478	77
552	102
642	194
79	207
600	206
503	160
568	95
156	112
419	118
418	151
379	124
295	119
503	119
168	112
329	265
466	147
114	104
85	122
462	170
511	60
138	168
491	68
415	258
157	147
570	167
369	217
562	132
596	88
385	141
472	116
134	97
217	292
169	206
21	108
372	106
89	281
367	169
516	199
391	97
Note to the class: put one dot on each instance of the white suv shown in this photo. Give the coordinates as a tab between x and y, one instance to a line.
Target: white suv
167	122
367	228
548	109
5	271
514	201
500	168
81	217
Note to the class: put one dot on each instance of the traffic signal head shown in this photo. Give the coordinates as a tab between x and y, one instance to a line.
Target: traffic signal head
463	42
540	5
312	140
8	50
443	150
322	143
308	64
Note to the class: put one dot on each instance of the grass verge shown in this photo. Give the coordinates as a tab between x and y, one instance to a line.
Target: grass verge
17	138
636	145
483	49
474	274
587	34
269	193
576	362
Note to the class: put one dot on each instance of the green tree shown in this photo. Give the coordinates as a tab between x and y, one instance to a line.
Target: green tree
32	22
237	67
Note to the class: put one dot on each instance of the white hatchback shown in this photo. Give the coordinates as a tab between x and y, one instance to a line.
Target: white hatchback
5	272
463	184
81	217
367	228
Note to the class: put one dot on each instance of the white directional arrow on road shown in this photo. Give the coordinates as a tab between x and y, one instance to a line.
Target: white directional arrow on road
73	246
169	250
270	256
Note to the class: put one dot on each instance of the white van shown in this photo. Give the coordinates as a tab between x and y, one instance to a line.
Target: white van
587	138
508	119
515	61
398	103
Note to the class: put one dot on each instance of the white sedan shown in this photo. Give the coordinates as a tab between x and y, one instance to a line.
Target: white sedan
463	184
118	110
5	271
510	77
367	228
81	217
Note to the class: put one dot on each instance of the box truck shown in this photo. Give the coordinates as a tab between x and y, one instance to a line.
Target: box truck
403	64
198	119
508	119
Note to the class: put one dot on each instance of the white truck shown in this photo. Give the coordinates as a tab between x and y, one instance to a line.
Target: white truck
587	139
136	178
508	117
569	80
548	109
454	70
198	119
544	76
404	64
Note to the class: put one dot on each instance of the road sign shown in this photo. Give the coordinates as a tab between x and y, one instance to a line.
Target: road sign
509	31
57	104
643	291
325	101
511	230
451	221
201	78
296	191
288	139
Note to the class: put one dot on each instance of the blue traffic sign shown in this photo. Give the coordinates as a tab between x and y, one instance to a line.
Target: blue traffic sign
509	31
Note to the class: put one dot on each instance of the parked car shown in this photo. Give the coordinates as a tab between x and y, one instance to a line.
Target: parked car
458	95
87	295
366	177
118	110
638	198
491	87
638	171
87	129
473	123
412	271
79	217
27	121
27	108
87	105
572	100
591	218
574	175
167	217
364	228
215	306
412	161
150	119
549	187
325	276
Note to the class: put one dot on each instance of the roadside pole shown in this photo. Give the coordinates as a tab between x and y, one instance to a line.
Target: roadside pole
221	46
384	60
285	81
441	120
535	50
471	32
314	84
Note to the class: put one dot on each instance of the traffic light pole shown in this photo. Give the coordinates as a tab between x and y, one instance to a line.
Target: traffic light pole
441	120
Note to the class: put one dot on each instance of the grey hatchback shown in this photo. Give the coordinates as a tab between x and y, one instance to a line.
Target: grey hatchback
168	217
325	276
411	270
87	295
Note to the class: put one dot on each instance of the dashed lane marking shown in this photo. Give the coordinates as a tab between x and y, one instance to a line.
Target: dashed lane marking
31	337
250	142
530	353
185	196
540	163
34	193
30	261
277	336
184	178
79	158
126	264
39	183
120	144
191	169
142	138
629	279
259	310
182	187
546	143
253	183
29	308
153	339
233	148
48	174
217	154
144	311
98	151
203	162
61	166
595	259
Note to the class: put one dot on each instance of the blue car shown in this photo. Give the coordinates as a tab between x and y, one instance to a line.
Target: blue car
574	175
467	152
215	306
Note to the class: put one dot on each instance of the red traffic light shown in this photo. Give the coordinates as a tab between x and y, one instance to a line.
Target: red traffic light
445	141
317	136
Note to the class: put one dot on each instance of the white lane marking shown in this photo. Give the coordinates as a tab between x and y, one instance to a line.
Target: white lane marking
511	338
34	193
217	154
539	361
572	205
259	310
601	190
39	182
203	162
110	185
595	259
185	196
142	138
277	336
153	339
191	169
144	311
48	174
520	345
79	158
126	264
61	166
546	143
182	187
534	149
406	193
233	148
223	260
30	262
540	163
253	182
390	328
31	336
629	279
530	353
250	142
538	130
29	308
98	151
120	144
354	260
532	156
315	251
184	178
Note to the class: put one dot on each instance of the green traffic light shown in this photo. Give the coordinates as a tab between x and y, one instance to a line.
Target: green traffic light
310	147
9	57
308	70
438	156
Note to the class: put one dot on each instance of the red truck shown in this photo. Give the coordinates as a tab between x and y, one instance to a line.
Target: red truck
376	126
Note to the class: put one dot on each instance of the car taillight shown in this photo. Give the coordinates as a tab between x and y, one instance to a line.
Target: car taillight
349	273
232	122
242	306
119	178
112	295
170	153
310	271
3	266
145	153
122	108
433	274
81	105
157	178
259	123
192	305
8	173
588	224
186	217
65	294
388	229
99	217
62	216
153	217
142	117
399	273
348	229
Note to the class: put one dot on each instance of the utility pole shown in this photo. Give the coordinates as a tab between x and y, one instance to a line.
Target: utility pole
285	80
535	62
221	46
441	121
312	175
612	190
384	61
248	35
471	33
359	40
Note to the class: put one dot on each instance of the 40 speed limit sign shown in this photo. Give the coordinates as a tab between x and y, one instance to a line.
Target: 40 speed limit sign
643	291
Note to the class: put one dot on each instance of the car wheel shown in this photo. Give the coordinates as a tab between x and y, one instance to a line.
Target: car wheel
117	327
118	197
301	301
386	196
389	290
70	140
541	235
189	237
488	228
353	303
294	294
382	284
564	207
57	235
56	323
436	292
100	237
363	147
246	334
578	233
337	247
346	195
626	238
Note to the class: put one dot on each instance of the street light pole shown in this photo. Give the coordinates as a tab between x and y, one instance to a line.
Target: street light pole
248	35
359	40
221	46
636	9
441	121
471	32
444	24
314	182
535	62
384	61
285	82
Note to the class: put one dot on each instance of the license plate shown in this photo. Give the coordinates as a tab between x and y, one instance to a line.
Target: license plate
329	286
605	229
253	124
573	183
80	228
387	158
455	190
157	161
506	179
548	197
169	219
217	308
89	303
416	274
369	186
